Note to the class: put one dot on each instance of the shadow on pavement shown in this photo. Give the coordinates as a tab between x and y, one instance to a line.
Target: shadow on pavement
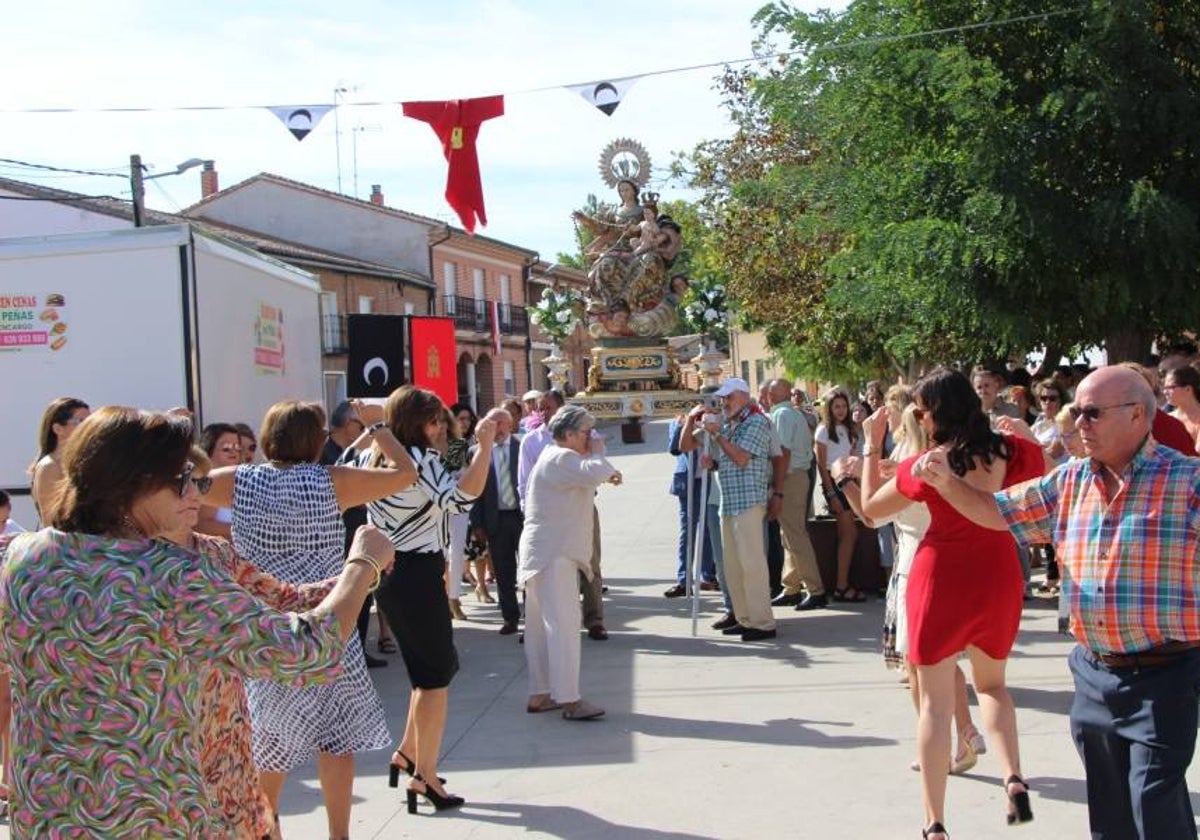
565	822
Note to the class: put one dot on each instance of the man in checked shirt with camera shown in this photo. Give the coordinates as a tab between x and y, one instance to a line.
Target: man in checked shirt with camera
1126	521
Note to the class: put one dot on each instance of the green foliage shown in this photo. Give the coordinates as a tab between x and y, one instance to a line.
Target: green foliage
888	200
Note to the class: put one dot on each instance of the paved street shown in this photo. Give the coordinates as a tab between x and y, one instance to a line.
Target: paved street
704	737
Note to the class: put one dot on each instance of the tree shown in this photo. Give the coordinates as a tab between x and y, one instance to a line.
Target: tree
896	197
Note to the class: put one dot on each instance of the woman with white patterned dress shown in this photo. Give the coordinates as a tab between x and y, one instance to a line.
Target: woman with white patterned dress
287	521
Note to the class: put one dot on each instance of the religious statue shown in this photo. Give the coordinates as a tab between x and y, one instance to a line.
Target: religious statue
631	292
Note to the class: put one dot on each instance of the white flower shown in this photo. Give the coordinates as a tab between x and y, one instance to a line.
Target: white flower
547	292
711	315
564	316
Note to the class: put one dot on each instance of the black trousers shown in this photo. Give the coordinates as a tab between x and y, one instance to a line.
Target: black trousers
503	543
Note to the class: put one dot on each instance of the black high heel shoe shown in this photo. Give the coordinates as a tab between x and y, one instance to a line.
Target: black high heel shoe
1020	810
437	800
409	767
935	828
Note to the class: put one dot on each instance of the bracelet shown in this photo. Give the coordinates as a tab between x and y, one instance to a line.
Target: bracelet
375	427
373	563
846	479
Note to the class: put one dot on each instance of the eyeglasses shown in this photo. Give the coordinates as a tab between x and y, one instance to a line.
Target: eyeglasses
1093	413
1048	398
185	478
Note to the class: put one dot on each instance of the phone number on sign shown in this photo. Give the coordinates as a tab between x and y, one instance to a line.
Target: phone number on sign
22	339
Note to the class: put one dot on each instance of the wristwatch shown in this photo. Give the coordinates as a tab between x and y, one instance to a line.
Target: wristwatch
844	480
375	427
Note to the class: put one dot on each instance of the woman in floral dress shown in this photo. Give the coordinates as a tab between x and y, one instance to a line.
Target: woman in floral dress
106	631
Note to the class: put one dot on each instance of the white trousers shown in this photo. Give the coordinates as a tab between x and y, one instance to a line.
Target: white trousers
552	631
457	555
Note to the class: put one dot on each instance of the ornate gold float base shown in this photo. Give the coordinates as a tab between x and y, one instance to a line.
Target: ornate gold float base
623	365
641	405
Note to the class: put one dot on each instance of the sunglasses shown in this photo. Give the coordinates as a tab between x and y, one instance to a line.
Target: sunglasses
1092	413
1048	397
185	478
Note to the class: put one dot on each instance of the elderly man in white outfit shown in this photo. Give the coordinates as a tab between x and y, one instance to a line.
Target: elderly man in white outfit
556	544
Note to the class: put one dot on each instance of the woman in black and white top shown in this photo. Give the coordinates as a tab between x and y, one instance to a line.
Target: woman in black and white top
413	596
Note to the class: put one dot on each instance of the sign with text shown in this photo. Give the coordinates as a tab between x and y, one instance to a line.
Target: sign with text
268	340
33	322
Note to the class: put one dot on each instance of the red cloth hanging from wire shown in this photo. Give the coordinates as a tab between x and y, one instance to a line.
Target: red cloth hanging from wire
456	123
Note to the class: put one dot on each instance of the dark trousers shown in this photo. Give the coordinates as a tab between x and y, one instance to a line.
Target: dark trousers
774	557
1135	729
364	621
503	545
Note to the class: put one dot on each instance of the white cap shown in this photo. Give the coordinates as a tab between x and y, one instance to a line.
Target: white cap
532	395
732	385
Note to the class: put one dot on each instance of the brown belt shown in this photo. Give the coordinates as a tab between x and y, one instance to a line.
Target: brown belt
1152	658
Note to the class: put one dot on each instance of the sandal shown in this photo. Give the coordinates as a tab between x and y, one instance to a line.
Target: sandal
849	595
544	703
581	710
387	645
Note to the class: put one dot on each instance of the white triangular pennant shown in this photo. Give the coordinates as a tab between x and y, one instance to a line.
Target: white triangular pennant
300	119
605	94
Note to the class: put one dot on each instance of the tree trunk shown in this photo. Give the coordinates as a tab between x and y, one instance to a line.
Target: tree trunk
1049	361
1129	345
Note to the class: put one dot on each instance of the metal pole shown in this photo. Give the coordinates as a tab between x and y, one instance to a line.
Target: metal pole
138	187
698	548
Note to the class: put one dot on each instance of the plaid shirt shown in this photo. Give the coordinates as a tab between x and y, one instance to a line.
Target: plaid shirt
745	487
1135	583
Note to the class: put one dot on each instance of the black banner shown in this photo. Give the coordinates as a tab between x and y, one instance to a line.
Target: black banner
375	366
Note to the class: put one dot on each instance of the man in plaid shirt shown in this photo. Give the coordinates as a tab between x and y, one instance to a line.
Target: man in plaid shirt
741	448
1125	521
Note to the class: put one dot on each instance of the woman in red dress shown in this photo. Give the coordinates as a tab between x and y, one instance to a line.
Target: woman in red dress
965	590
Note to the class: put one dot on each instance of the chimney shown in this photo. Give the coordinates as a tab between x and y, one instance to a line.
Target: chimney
377	195
208	180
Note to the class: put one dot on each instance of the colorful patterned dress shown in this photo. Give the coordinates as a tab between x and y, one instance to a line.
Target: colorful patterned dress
107	640
286	521
226	753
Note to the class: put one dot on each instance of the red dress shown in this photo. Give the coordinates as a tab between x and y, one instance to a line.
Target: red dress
966	586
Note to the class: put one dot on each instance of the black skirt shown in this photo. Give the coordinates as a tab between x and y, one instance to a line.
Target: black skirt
413	600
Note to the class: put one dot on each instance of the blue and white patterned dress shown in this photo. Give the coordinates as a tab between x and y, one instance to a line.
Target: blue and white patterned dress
288	524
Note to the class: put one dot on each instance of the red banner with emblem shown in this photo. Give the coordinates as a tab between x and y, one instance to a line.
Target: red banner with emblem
434	355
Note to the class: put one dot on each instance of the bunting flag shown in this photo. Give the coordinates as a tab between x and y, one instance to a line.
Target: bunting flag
456	122
605	95
300	119
496	346
375	363
434	356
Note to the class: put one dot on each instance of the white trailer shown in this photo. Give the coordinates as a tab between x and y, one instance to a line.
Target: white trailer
153	317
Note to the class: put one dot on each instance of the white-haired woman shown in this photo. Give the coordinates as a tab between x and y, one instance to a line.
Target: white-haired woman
556	545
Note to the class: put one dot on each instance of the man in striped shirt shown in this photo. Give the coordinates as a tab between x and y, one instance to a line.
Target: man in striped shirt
1125	521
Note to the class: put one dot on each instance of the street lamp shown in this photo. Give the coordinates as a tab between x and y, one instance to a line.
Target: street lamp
137	179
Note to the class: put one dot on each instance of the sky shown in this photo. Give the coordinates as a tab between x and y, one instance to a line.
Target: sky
539	161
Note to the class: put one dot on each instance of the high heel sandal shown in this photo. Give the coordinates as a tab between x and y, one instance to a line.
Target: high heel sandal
409	767
1020	810
439	801
966	759
482	595
935	829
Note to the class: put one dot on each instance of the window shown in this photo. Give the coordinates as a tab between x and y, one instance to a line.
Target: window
746	370
409	309
506	302
479	278
760	372
335	390
481	307
510	378
364	304
449	285
331	324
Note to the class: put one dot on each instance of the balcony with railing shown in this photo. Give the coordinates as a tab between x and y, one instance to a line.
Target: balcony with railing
473	314
334	341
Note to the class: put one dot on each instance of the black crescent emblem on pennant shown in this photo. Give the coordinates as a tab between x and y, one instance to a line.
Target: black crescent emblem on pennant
611	105
302	112
373	365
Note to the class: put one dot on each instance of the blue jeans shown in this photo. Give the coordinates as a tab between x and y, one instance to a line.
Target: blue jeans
1135	729
713	527
687	536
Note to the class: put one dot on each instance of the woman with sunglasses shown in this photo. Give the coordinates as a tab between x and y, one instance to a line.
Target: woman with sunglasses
222	443
106	671
226	753
965	587
1051	397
